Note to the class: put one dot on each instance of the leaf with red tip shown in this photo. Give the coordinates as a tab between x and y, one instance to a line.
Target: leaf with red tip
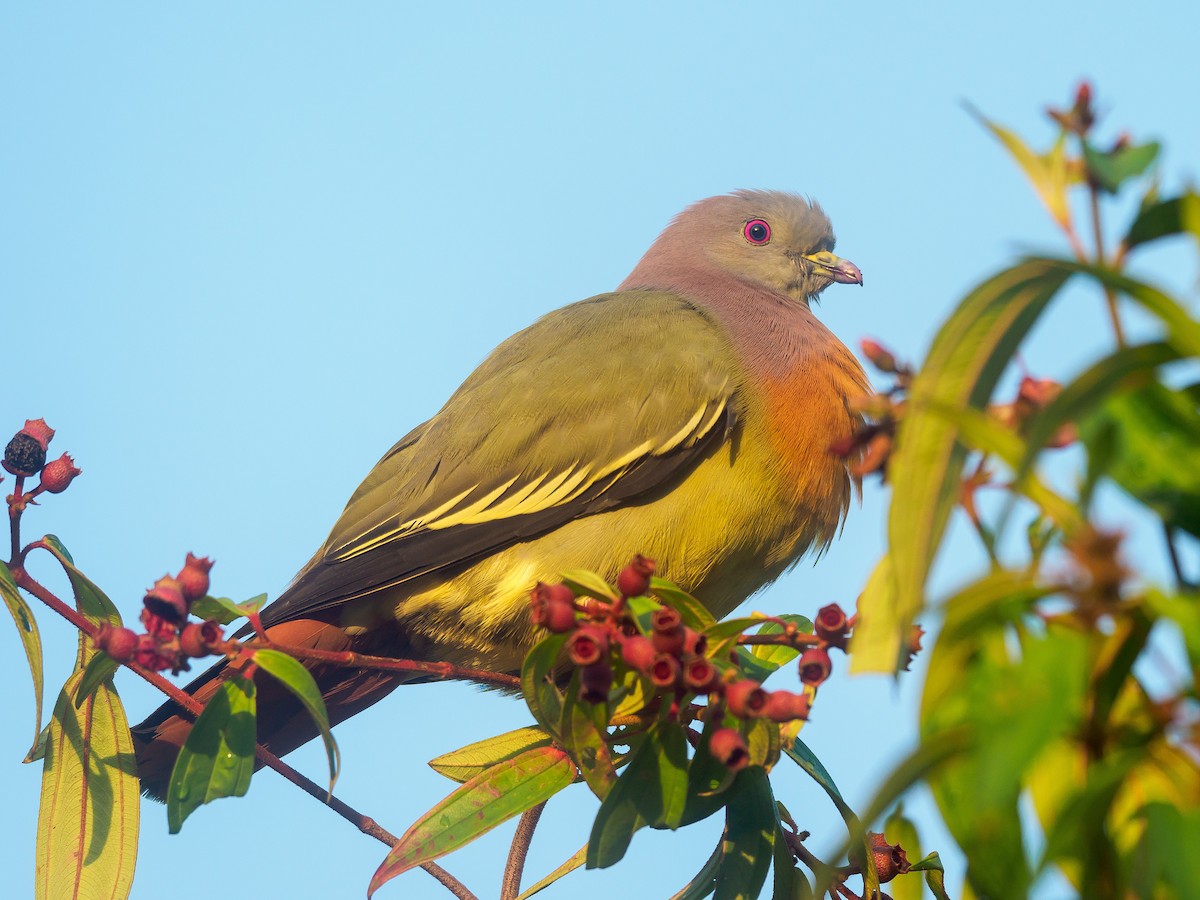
491	798
467	762
217	759
88	822
31	642
297	679
223	610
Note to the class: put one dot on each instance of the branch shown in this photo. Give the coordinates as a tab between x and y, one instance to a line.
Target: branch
510	887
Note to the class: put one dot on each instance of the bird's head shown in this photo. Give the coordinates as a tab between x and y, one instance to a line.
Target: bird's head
779	240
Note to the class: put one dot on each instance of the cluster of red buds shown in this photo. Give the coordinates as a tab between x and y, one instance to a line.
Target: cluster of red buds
25	456
1080	118
1032	396
169	639
672	656
868	449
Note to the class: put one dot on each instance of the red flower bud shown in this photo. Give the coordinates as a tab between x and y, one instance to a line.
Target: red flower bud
553	607
729	748
700	675
634	579
595	681
784	706
694	642
119	643
158	627
890	859
39	431
815	665
878	355
664	671
200	638
746	699
831	625
151	655
58	474
638	652
166	601
587	645
193	577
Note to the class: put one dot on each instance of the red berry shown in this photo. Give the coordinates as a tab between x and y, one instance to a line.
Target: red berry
890	859
831	625
200	638
667	630
193	577
119	643
815	665
587	645
664	671
166	601
700	675
58	474
638	652
634	580
728	747
784	706
745	699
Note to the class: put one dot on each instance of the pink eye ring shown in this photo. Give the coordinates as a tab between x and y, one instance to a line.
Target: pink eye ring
757	231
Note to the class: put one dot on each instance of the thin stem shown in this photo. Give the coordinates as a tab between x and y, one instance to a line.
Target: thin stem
510	887
1181	580
797	639
1109	294
15	505
388	664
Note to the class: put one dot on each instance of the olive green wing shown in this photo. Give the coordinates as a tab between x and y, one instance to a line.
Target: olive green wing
597	405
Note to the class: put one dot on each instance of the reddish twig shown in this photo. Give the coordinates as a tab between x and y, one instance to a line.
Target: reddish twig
442	670
510	887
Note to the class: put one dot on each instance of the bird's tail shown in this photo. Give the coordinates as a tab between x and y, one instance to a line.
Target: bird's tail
283	724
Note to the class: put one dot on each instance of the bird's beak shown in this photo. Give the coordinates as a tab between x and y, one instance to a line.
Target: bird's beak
840	270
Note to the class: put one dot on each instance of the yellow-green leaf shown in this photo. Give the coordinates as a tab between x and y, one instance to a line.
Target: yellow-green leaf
31	642
467	762
88	822
297	679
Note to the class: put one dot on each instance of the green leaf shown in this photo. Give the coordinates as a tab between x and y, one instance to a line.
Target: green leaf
1168	864
749	842
1185	613
1178	215
789	882
223	610
694	613
640	787
1047	172
1156	432
965	361
935	875
92	603
577	859
545	700
1114	167
292	674
776	655
31	643
475	808
88	822
589	584
100	669
467	762
217	759
672	775
584	732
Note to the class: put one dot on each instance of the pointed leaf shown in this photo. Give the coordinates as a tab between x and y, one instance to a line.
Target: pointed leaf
1048	173
780	654
704	882
100	669
578	858
217	759
750	826
1111	169
92	603
88	822
467	762
802	756
223	610
584	732
695	614
589	584
619	815
31	642
490	799
297	679
967	358
1178	215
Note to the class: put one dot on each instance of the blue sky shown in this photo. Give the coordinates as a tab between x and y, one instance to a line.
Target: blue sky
243	248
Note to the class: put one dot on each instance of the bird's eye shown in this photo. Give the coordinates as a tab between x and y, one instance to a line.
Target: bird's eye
757	231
